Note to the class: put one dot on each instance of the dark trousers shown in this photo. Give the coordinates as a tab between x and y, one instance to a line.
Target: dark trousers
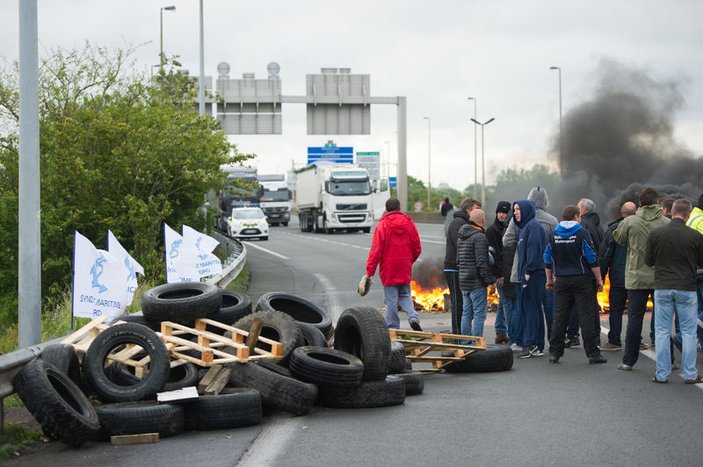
618	298
516	330
636	307
574	292
532	298
457	301
573	327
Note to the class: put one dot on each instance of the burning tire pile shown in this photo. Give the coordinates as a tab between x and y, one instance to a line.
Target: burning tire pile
93	395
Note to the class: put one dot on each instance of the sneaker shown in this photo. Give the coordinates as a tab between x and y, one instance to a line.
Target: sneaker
567	343
608	347
598	358
415	325
697	380
655	380
501	339
529	352
515	348
624	367
554	359
574	341
644	346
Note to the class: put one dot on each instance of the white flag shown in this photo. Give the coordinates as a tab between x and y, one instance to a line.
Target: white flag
99	282
201	241
131	266
181	258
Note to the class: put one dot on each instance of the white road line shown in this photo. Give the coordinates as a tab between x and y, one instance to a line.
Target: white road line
331	294
271	445
647	353
247	245
432	241
334	242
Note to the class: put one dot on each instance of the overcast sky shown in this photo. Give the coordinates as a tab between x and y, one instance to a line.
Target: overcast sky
437	53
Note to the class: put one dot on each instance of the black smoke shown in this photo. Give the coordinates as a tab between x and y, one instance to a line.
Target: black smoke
621	139
429	273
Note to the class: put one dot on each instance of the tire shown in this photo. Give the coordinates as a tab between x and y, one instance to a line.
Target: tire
131	418
139	319
56	402
397	362
361	331
65	358
182	376
277	390
297	307
390	391
325	366
312	335
494	358
277	326
235	306
113	338
232	408
181	302
414	383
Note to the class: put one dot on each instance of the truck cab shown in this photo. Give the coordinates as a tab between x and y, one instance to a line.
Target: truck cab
275	200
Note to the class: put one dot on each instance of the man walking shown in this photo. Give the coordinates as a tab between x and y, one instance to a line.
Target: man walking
696	223
572	270
639	277
451	271
495	233
675	252
474	273
612	264
396	246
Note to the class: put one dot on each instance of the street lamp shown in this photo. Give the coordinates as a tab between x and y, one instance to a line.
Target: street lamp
388	161
561	122
483	160
161	31
475	148
429	159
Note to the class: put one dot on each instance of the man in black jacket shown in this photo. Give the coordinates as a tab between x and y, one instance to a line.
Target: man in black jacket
494	233
675	252
474	273
612	263
451	272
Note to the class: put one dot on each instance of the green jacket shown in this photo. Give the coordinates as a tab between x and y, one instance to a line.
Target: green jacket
633	232
696	220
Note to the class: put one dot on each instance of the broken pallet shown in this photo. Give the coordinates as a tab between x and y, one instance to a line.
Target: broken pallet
419	344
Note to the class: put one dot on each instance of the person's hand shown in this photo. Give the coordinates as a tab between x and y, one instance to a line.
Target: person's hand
527	277
364	285
500	282
492	289
599	284
550	284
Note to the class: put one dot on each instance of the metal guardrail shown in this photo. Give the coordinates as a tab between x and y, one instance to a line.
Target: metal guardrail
12	363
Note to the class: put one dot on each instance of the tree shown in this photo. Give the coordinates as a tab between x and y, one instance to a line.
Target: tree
118	152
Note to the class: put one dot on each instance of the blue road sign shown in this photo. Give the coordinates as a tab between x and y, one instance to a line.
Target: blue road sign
331	153
393	182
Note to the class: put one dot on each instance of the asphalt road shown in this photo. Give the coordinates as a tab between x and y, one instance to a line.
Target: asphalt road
572	413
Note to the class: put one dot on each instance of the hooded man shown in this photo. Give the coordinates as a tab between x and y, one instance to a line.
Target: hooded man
396	246
531	244
495	233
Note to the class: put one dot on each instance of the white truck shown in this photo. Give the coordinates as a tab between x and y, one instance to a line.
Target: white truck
275	199
335	196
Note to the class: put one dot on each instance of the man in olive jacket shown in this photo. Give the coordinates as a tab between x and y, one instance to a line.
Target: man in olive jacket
639	277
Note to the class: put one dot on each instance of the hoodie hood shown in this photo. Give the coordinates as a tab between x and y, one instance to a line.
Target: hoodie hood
468	230
592	217
462	214
540	197
650	213
527	212
566	229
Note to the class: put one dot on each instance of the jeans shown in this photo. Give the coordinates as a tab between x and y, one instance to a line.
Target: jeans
456	299
532	296
636	307
515	325
684	304
548	308
574	292
394	295
617	298
700	312
474	313
505	312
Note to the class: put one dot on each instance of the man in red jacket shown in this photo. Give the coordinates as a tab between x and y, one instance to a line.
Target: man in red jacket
396	246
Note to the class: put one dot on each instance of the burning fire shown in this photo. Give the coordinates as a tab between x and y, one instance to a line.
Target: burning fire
434	299
604	297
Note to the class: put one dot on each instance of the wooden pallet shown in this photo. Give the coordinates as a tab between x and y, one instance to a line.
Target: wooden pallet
419	344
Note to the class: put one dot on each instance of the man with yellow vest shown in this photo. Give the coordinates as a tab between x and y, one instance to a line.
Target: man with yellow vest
696	223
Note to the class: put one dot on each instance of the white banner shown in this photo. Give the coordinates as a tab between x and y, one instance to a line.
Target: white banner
99	281
180	258
207	264
201	241
131	266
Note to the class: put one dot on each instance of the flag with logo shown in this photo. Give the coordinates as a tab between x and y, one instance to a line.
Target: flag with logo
131	266
180	258
99	282
207	264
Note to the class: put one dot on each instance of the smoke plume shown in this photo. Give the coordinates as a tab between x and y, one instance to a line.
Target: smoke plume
429	273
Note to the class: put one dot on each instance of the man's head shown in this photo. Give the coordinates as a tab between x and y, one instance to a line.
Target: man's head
648	196
681	209
666	205
586	205
469	204
628	209
392	204
502	211
478	217
571	213
539	196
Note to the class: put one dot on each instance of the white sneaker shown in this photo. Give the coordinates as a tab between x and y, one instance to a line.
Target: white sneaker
515	348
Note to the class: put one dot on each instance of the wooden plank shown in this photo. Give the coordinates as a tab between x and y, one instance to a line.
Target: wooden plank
80	333
209	378
219	383
257	324
142	438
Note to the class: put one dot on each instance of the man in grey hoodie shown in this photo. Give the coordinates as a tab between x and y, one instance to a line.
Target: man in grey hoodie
548	222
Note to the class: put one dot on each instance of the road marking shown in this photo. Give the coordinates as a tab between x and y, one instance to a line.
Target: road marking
432	241
332	296
247	245
334	242
441	237
270	446
647	353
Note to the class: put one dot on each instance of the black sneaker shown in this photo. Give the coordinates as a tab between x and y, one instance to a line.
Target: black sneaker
574	341
567	343
529	352
554	359
415	325
598	358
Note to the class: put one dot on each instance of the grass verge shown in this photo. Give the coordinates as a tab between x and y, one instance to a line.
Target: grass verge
241	283
14	438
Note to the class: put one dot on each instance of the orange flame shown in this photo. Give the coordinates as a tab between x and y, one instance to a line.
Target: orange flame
433	299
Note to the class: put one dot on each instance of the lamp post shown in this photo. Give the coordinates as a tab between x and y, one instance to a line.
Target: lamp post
161	33
475	148
483	160
201	84
429	159
561	122
388	161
